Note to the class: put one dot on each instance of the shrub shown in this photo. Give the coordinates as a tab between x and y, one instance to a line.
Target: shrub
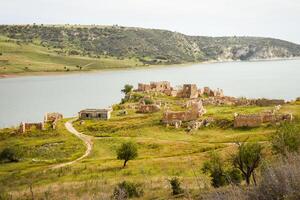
175	185
280	180
286	139
220	173
127	151
125	190
148	101
215	168
9	155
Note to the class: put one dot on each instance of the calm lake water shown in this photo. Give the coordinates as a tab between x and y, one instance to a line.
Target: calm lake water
28	98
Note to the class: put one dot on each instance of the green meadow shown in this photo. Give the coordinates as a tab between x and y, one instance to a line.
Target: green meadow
29	58
163	153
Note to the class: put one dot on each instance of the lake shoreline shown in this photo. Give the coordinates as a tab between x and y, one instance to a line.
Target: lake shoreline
55	73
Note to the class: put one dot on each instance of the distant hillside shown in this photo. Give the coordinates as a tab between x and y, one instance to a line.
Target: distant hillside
144	46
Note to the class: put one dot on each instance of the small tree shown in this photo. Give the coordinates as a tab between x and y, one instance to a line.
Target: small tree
286	139
127	151
127	88
247	159
175	185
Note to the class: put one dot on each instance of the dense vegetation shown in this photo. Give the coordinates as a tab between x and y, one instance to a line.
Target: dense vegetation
98	47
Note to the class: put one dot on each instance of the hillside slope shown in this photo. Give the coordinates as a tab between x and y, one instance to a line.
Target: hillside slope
144	46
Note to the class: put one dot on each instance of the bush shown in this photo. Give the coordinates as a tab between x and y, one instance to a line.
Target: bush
281	180
125	190
148	101
215	168
9	155
126	152
220	173
286	139
175	185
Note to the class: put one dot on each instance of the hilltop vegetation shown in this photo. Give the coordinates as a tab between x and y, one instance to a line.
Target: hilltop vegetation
28	48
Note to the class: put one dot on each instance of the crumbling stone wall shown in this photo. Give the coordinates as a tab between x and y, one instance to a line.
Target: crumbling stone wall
253	120
211	93
24	127
144	87
151	108
188	91
51	117
194	113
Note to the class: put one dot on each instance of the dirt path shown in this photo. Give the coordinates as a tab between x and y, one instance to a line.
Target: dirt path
85	138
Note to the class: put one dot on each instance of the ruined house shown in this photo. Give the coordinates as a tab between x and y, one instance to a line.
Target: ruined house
51	117
188	91
196	110
104	114
143	87
211	93
24	127
250	120
160	86
256	120
148	108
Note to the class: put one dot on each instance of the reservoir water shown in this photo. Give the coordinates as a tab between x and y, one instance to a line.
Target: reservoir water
28	98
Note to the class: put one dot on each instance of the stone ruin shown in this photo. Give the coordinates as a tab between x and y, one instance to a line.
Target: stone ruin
161	86
24	127
52	118
256	120
211	93
148	108
175	118
187	90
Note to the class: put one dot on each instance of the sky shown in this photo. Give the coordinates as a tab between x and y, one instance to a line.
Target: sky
268	18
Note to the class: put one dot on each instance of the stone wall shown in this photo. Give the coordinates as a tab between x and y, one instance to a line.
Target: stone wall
151	108
24	127
253	120
256	120
51	117
194	113
189	91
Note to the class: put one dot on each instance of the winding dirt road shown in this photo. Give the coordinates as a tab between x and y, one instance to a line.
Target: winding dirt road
85	138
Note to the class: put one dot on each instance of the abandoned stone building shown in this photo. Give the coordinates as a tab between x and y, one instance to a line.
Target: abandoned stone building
256	120
95	114
170	117
149	108
188	91
24	127
51	117
160	86
211	93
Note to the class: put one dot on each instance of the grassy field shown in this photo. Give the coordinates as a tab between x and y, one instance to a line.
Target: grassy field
164	152
28	58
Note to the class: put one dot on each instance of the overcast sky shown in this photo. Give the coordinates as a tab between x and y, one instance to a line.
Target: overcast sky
269	18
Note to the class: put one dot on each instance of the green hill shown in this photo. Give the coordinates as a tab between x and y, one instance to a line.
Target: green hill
28	48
